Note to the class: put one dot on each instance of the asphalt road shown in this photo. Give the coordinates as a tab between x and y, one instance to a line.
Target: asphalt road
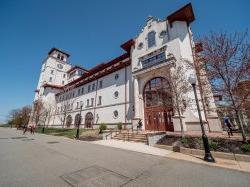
43	160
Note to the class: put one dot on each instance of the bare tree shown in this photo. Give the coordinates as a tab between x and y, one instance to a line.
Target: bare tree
66	107
227	63
180	87
38	112
50	110
12	117
25	114
19	117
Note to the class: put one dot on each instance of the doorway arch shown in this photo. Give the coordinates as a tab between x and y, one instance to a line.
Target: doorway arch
77	120
158	106
68	121
89	120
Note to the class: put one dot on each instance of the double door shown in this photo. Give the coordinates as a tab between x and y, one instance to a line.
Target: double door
158	119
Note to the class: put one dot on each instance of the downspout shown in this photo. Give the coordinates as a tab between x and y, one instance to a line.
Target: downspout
198	78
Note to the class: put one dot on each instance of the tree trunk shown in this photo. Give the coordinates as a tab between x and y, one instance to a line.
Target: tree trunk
180	117
241	125
238	119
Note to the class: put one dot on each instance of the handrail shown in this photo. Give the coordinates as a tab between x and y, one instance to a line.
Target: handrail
108	135
111	133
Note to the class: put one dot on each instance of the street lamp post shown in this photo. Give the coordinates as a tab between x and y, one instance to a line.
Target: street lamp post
78	125
208	156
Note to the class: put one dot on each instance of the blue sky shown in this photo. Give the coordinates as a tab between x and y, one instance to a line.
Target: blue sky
91	31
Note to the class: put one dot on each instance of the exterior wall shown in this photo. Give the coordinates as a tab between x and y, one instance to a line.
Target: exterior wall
103	113
178	42
173	41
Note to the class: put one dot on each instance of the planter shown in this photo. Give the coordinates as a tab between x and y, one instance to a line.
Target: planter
216	154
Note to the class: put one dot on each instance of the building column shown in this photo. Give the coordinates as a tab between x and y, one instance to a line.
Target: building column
136	98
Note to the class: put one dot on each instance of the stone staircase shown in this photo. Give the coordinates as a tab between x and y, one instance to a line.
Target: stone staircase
131	136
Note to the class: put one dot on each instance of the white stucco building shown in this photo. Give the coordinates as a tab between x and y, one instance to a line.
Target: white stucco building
135	85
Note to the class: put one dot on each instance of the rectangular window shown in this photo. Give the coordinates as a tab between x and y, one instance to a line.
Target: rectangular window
93	87
64	75
62	82
99	100
73	94
52	71
79	91
92	101
151	39
50	79
89	87
82	90
77	105
87	102
100	84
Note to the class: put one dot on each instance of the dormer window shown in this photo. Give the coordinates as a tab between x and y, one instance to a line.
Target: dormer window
151	39
163	34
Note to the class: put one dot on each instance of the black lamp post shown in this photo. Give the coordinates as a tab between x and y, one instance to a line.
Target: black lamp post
78	124
208	156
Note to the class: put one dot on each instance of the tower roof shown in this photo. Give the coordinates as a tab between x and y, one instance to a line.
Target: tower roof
59	50
183	14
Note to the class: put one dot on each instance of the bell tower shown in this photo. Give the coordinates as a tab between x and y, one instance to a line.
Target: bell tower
53	72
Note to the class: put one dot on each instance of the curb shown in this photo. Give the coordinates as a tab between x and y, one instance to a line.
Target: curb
229	156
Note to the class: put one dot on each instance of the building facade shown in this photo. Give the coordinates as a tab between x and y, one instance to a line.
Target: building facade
136	85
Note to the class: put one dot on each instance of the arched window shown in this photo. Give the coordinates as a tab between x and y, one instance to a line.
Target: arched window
151	39
157	92
77	120
89	120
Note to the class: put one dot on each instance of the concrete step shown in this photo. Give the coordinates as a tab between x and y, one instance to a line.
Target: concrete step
131	136
132	140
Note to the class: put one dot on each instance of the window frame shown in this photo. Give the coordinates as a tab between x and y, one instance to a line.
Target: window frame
151	39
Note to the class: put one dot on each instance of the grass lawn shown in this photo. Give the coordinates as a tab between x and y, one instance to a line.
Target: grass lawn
70	133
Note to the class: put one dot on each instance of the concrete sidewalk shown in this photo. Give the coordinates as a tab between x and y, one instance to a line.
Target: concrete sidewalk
142	148
133	146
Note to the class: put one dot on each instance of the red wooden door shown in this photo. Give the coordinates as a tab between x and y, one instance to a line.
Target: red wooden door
158	105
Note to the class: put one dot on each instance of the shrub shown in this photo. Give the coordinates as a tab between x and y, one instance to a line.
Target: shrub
102	127
245	147
119	126
213	145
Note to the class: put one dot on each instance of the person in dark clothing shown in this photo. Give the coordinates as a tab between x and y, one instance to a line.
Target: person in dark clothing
25	128
229	126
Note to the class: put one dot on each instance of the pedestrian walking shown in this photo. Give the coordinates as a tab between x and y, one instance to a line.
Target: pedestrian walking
25	128
32	129
229	126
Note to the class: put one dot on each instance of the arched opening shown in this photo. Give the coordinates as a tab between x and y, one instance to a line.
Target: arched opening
89	120
68	121
77	120
158	106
